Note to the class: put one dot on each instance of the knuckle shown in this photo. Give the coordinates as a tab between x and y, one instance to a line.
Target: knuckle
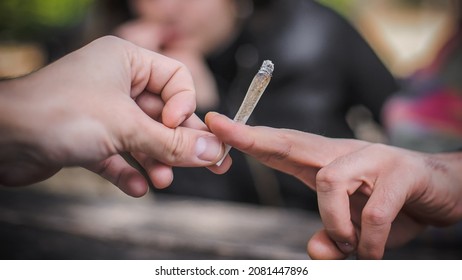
327	180
174	148
285	146
279	150
375	216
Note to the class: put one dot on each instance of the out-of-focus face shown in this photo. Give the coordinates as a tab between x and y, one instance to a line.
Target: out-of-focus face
203	25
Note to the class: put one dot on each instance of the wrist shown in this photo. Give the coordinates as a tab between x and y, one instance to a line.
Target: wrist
14	132
8	94
446	176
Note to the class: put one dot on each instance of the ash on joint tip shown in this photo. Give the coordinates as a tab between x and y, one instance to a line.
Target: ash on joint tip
266	68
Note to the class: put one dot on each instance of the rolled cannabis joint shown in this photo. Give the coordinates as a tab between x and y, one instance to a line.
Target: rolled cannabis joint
255	91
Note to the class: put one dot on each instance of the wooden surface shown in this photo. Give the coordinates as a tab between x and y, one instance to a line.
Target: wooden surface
41	225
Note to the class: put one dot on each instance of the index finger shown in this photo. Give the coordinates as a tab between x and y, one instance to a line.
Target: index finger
169	78
294	152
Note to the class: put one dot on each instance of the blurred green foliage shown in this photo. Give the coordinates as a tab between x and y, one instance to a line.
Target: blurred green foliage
33	19
420	3
343	7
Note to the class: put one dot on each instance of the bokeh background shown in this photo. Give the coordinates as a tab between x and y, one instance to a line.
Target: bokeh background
407	35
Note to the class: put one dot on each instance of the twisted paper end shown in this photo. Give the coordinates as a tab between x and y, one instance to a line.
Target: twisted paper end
266	68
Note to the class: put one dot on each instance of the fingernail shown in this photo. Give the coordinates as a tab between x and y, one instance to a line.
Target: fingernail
210	115
208	148
345	247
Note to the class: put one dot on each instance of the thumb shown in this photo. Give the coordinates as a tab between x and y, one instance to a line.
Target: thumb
180	146
321	247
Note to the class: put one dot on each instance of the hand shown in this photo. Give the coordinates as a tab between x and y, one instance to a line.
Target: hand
369	195
155	37
106	98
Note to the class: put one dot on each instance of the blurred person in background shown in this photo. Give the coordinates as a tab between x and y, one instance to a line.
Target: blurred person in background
323	68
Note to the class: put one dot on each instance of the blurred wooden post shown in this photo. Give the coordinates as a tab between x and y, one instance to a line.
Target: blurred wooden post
17	59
